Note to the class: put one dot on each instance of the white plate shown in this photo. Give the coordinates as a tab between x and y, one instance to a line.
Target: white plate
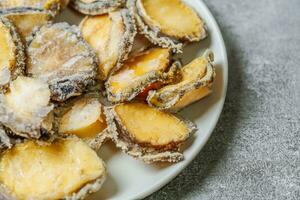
132	179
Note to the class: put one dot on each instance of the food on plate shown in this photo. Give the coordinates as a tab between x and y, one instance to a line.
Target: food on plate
59	55
168	23
85	118
53	5
96	7
26	109
64	169
66	89
197	79
111	36
12	57
27	19
138	73
147	133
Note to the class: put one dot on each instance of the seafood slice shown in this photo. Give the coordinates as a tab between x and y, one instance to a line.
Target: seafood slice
138	73
53	5
85	118
140	44
147	133
96	7
111	36
27	19
12	57
26	108
59	55
64	169
168	23
197	78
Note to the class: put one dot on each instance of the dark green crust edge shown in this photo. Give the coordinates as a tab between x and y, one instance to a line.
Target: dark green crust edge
120	136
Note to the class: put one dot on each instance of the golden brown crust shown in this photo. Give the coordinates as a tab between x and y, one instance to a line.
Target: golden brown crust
167	97
134	77
141	150
27	19
84	190
157	35
93	99
116	31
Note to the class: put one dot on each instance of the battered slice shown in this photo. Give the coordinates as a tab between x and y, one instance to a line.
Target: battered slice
96	7
197	79
65	169
168	23
140	44
147	133
12	57
27	19
111	36
26	108
85	118
53	5
138	73
59	55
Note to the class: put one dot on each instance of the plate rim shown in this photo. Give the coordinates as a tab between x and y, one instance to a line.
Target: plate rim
168	178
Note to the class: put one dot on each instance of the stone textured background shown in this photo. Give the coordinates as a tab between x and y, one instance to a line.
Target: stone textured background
254	151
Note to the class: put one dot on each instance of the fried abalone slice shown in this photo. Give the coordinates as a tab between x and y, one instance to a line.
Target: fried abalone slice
138	73
85	118
197	78
53	5
64	169
59	55
147	133
168	23
111	36
96	7
27	19
140	44
12	57
26	108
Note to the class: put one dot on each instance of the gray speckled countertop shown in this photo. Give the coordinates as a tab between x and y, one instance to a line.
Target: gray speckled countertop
254	150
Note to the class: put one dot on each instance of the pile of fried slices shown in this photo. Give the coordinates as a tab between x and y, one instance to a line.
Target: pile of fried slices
65	90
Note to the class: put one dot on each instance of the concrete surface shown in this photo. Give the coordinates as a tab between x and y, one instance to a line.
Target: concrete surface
254	151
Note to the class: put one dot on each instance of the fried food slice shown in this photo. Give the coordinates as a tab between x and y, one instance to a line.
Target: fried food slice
26	108
138	73
96	7
168	23
27	19
59	55
140	44
85	118
65	169
147	133
53	5
111	36
12	57
197	78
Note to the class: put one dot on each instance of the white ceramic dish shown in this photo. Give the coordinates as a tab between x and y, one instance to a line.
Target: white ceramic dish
132	179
